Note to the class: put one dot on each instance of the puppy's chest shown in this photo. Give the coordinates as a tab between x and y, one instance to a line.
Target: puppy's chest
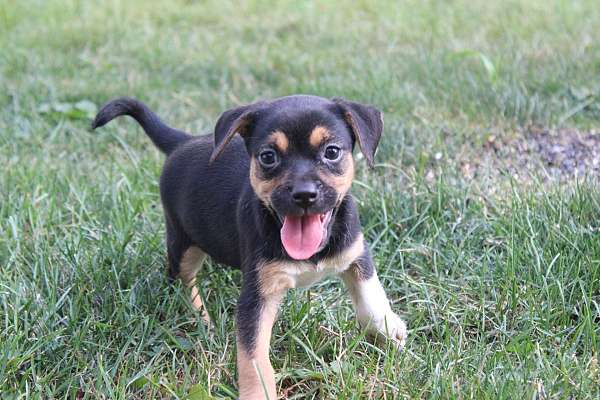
276	276
306	274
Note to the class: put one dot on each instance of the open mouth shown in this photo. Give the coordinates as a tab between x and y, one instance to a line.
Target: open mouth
302	236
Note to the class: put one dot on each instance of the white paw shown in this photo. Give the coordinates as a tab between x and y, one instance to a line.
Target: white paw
390	326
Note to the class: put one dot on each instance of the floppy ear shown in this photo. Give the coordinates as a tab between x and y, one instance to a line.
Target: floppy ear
366	123
237	120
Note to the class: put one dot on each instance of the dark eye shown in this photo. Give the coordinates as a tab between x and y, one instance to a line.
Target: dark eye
268	158
333	153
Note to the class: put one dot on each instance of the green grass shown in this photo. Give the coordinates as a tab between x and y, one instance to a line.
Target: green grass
500	288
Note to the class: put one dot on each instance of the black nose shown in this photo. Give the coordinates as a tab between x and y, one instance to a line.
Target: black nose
305	194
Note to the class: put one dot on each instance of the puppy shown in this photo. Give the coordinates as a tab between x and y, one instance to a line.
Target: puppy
269	193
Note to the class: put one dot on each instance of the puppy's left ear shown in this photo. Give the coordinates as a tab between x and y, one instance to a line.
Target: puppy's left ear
366	123
237	120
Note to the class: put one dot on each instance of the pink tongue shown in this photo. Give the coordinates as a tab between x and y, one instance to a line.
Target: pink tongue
301	236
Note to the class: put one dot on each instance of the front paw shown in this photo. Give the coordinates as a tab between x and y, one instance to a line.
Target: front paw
390	327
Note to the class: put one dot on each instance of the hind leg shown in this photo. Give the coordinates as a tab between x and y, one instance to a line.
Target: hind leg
190	264
185	260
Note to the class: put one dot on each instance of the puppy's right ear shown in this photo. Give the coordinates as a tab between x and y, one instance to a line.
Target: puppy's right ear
237	120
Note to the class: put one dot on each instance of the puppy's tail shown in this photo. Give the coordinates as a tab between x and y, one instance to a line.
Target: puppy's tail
164	137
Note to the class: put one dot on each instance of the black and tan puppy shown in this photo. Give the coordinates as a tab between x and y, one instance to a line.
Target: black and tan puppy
270	195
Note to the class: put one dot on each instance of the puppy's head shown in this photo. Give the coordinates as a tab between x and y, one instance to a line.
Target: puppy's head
301	164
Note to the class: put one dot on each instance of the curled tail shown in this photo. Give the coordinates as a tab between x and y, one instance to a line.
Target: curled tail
163	136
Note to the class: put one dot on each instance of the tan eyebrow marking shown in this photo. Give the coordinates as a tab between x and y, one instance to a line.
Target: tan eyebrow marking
280	140
318	135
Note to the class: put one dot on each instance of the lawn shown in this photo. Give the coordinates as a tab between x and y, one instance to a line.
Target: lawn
489	250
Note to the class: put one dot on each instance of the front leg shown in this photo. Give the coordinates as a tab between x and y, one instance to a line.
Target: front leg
262	292
371	304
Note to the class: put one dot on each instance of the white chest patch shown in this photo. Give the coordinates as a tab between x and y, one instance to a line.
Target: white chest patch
278	276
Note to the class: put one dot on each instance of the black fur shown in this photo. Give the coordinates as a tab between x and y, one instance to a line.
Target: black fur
366	123
208	198
235	121
164	137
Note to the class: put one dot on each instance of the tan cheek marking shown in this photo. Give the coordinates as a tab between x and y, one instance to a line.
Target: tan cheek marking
341	183
280	140
318	135
263	188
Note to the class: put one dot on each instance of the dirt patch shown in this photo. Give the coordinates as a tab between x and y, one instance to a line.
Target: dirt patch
549	155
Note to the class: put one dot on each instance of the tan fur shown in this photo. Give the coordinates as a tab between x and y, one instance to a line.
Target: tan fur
263	188
276	277
341	183
190	264
253	367
344	259
353	273
280	140
240	126
357	133
318	135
